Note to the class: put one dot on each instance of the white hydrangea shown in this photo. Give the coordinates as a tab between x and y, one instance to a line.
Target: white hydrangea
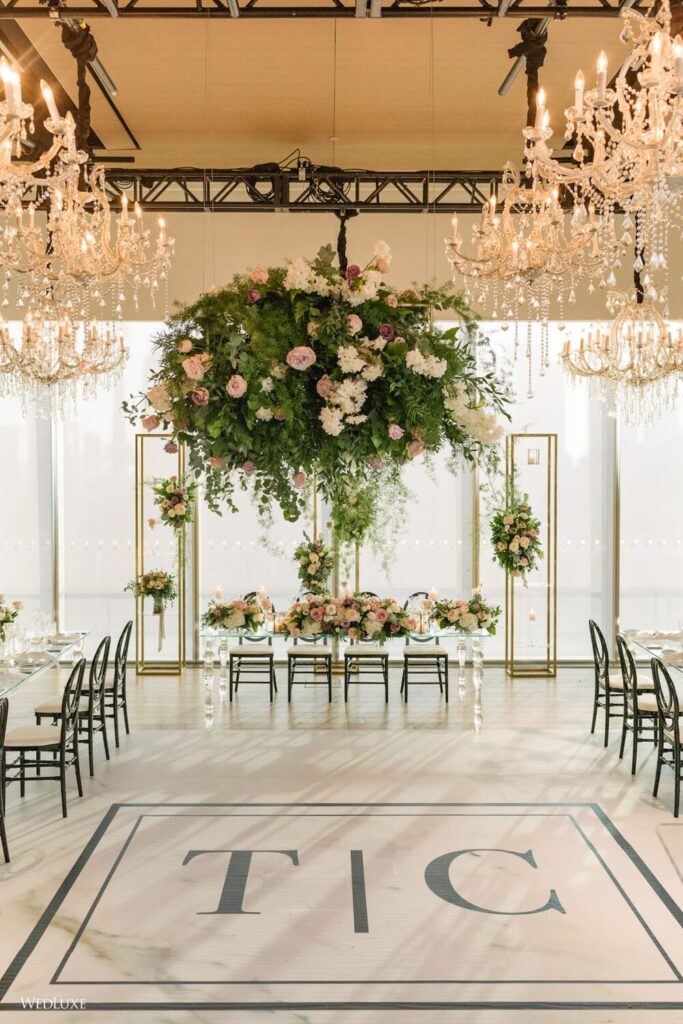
469	621
382	251
267	385
349	395
349	359
331	420
480	423
372	371
426	366
263	413
298	274
356	419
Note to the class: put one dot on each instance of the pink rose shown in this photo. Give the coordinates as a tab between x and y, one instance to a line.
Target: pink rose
253	295
317	614
398	340
236	386
300	358
392	301
194	367
394	627
415	448
299	479
325	386
171	447
377	464
395	432
354	323
200	396
216	462
386	331
259	275
185	346
151	422
352	272
381	615
249	467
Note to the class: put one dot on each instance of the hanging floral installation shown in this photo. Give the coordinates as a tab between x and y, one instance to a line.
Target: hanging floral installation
175	500
316	562
304	368
516	537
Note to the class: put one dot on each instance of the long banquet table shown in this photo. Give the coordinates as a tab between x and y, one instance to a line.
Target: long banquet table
31	664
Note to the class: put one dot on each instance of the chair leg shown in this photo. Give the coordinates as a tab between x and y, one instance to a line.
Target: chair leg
386	680
3	839
445	672
62	780
607	709
636	727
347	674
91	752
595	708
660	754
22	770
677	778
438	672
272	668
105	738
77	766
624	727
406	675
125	716
115	716
290	669
329	680
231	677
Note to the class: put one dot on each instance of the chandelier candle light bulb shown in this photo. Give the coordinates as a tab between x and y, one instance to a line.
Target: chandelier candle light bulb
579	86
540	110
602	76
49	98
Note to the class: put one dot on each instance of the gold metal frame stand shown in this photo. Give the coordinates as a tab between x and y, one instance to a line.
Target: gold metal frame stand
544	667
145	666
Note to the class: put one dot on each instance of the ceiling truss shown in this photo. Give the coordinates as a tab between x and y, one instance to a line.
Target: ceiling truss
322	9
321	190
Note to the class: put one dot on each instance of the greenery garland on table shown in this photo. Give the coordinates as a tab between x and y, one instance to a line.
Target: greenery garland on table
316	563
516	537
303	368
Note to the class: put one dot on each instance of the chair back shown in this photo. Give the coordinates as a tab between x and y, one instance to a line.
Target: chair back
321	638
422	596
121	659
600	652
667	698
367	593
98	675
419	594
70	702
629	673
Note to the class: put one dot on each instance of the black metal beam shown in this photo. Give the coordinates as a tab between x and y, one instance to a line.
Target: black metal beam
203	9
192	190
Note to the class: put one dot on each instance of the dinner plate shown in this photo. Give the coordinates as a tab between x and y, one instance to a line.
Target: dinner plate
32	660
63	639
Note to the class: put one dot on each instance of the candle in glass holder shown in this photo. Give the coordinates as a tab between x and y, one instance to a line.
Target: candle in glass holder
432	594
218	593
532	615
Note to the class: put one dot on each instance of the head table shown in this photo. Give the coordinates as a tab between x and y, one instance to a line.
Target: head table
469	645
20	667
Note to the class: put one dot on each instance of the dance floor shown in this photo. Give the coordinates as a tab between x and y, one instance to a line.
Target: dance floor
357	864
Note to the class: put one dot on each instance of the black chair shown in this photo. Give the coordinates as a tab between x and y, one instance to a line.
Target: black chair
251	661
428	662
609	687
4	710
115	694
305	660
91	713
369	661
640	708
670	727
30	741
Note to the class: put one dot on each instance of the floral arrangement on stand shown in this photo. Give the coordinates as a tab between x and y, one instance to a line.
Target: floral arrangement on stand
352	615
162	588
8	613
466	616
175	499
311	616
516	537
316	563
309	367
236	614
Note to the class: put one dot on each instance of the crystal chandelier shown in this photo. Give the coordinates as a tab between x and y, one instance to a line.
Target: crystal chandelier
628	149
635	364
69	258
56	361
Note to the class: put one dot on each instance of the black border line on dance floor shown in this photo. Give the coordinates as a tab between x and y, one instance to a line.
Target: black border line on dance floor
38	931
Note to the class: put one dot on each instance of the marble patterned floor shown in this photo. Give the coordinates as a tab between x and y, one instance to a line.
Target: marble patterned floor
359	864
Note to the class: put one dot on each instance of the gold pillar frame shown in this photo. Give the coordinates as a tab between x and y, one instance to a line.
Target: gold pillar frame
543	668
148	666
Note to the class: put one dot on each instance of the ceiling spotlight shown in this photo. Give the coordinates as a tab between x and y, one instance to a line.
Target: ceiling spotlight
234	8
375	8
